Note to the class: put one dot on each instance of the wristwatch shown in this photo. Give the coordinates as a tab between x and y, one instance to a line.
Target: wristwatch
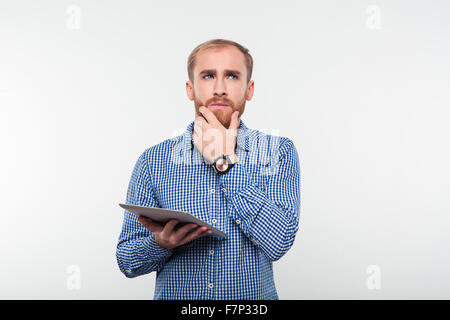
224	163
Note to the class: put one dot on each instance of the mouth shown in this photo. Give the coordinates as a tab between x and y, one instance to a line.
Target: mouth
219	105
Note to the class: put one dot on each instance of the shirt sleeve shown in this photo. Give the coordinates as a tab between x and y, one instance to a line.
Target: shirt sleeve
269	218
137	251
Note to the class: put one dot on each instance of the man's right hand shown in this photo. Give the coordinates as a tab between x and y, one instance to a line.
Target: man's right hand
168	238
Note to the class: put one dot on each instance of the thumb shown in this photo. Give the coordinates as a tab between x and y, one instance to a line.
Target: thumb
235	120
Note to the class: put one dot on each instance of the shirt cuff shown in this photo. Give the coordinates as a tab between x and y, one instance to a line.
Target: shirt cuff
152	250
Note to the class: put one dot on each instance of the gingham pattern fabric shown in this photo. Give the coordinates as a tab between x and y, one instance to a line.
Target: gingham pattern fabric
256	203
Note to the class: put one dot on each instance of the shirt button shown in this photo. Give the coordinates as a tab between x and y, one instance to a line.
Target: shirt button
254	241
211	251
213	221
210	285
212	190
238	221
224	190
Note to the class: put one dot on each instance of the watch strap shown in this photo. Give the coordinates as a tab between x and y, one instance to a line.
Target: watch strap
232	158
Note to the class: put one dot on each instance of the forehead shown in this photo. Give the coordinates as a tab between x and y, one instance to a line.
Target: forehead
228	57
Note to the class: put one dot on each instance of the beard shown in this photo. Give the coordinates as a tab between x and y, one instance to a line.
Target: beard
223	115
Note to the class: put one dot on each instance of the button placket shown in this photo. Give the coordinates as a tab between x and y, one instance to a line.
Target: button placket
214	195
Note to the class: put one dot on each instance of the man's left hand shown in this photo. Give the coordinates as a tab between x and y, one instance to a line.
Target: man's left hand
211	137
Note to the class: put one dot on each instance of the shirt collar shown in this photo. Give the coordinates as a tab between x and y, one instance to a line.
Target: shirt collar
242	140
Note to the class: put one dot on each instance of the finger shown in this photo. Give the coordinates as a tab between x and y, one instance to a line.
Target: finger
209	115
200	232
168	228
150	225
204	233
181	233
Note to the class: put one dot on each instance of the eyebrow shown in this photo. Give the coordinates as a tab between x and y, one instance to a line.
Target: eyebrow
213	71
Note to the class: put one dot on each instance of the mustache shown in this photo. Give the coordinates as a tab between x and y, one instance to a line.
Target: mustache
217	100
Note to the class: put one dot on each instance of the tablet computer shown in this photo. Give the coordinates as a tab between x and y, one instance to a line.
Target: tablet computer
164	215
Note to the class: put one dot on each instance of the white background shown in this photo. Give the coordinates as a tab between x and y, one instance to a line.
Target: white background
361	87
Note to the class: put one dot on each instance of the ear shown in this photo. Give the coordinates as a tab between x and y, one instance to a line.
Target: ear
189	90
250	90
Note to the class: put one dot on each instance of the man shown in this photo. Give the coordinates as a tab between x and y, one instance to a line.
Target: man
241	181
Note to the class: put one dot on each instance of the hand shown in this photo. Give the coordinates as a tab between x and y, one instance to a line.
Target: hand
211	137
168	238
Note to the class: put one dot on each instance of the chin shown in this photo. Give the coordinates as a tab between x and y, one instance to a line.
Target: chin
226	124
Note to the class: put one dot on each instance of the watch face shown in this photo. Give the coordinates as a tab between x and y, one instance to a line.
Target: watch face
221	165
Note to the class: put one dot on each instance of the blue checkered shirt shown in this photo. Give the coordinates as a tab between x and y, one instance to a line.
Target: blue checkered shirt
256	203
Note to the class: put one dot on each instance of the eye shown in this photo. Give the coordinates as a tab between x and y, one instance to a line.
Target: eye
208	75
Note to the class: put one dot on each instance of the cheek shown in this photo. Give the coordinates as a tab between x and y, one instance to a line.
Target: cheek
244	91
239	93
238	89
202	89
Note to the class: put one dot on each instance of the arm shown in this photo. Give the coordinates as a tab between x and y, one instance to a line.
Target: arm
137	251
270	219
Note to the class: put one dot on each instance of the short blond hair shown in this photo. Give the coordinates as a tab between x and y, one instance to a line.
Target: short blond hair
219	43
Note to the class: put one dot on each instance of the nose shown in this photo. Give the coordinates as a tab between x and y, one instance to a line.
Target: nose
219	88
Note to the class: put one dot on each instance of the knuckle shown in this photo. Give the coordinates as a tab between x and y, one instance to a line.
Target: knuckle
173	240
